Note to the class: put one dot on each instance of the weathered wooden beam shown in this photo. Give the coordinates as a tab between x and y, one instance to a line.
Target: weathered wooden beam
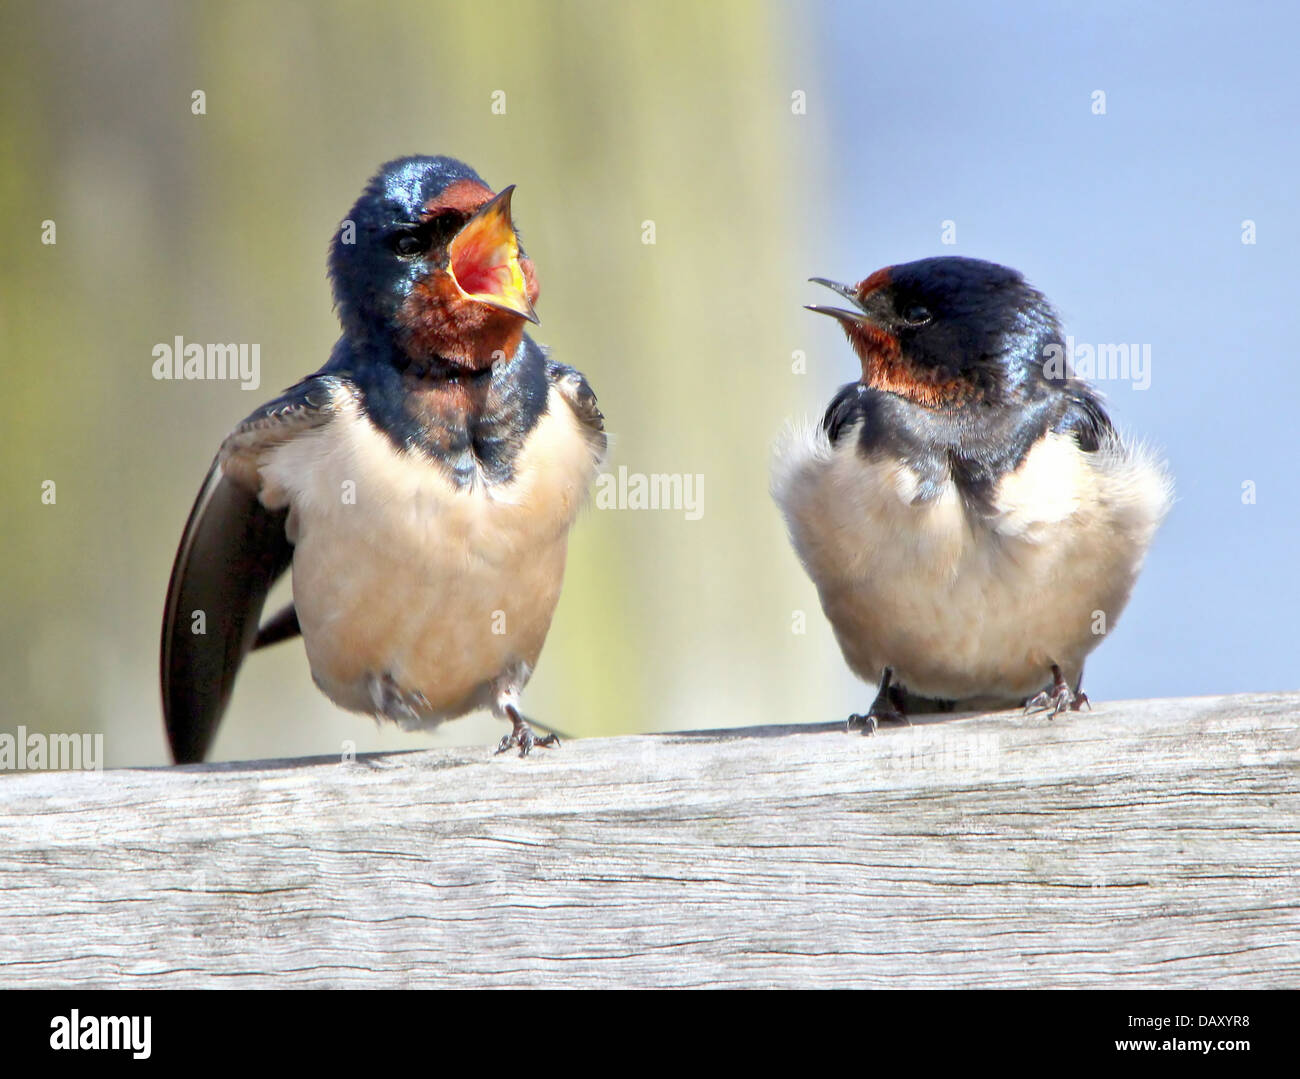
1150	843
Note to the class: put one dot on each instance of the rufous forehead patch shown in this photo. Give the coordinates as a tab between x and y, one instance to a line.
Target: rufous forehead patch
464	196
877	280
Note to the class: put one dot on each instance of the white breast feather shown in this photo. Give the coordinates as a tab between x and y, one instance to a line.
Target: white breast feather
397	572
966	605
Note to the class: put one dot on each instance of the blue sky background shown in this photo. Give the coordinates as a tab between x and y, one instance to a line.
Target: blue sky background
1131	222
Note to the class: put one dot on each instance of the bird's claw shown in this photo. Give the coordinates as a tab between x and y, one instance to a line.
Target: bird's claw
525	742
869	723
1051	700
1057	697
522	736
882	710
872	720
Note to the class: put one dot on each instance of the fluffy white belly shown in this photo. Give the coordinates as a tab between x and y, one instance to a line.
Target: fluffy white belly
965	605
417	600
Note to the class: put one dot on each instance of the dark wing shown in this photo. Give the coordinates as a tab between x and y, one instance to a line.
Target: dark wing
573	387
280	627
232	551
1084	417
845	408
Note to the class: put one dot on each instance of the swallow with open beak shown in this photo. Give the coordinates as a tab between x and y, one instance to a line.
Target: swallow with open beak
972	520
421	485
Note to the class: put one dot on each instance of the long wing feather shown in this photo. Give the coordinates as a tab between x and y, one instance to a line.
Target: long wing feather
232	551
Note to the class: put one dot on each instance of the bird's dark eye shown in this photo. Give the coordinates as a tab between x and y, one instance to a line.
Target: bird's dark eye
408	244
915	314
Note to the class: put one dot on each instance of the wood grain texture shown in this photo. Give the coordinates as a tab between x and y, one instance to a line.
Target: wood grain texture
1151	843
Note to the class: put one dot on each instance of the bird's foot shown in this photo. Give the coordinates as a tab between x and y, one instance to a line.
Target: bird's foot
522	735
874	717
886	708
1057	697
525	739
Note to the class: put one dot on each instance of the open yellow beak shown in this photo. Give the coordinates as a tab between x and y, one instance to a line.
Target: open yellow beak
483	259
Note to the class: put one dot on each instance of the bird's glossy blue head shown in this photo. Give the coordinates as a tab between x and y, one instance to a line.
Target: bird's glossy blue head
948	331
430	258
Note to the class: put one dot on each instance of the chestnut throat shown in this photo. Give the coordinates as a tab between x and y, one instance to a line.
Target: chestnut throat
885	368
437	326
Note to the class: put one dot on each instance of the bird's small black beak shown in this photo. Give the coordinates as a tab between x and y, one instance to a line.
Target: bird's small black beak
857	315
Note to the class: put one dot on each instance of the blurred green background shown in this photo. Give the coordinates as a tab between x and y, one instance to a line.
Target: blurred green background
215	227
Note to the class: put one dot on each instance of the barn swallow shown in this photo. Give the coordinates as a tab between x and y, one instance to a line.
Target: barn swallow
421	485
971	518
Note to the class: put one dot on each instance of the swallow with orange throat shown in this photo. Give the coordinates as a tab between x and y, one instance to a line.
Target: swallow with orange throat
971	518
420	486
